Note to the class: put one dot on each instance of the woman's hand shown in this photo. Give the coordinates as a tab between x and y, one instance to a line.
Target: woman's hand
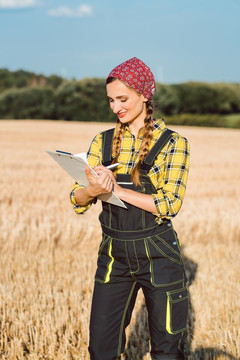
103	184
99	185
102	169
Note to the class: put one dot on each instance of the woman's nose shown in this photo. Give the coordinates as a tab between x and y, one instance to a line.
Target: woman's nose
116	107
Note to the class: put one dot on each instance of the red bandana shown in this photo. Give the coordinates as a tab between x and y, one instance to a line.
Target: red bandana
137	75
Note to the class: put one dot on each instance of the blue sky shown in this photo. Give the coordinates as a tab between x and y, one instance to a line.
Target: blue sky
181	40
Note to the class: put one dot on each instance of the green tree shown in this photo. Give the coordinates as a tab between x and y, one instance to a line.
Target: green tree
166	101
27	103
95	89
70	103
196	98
228	98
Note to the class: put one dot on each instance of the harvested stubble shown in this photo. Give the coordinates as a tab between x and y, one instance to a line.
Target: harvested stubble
48	254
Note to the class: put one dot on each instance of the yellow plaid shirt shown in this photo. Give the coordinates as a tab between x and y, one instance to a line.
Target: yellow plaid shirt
168	174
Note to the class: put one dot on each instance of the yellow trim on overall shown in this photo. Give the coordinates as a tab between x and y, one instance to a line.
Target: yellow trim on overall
107	278
168	317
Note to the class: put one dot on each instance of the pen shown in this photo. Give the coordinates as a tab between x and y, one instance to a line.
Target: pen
113	166
63	152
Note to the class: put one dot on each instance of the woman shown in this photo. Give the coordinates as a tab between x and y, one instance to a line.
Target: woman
139	247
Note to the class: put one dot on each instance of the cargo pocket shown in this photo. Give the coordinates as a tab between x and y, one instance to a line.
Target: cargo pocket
166	265
177	310
168	245
105	261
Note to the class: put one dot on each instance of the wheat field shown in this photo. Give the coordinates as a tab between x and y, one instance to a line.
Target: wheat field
48	253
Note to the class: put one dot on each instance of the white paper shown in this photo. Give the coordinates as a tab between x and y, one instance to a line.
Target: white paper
75	165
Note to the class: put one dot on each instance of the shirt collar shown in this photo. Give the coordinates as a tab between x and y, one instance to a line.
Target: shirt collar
159	124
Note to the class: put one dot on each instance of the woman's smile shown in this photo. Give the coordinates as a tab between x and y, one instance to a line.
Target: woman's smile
122	114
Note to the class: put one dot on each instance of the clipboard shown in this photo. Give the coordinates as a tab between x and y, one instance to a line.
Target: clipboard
74	165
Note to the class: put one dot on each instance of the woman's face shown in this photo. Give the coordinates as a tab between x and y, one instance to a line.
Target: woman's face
126	102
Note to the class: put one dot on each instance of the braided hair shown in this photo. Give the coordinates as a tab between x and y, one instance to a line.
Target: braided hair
147	137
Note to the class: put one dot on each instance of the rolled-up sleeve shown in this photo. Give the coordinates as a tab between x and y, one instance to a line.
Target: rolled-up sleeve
78	209
172	186
94	159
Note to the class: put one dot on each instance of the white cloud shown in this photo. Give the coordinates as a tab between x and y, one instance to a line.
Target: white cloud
63	11
17	4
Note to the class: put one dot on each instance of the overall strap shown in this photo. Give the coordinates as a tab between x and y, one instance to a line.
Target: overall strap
107	140
153	153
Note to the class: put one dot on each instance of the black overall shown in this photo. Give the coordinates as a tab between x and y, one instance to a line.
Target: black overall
135	253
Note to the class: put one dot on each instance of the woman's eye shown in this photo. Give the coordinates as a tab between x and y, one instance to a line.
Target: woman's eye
123	100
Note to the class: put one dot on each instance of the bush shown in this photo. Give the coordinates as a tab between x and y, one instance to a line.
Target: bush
228	98
95	89
83	101
196	120
69	104
196	98
203	98
26	103
166	100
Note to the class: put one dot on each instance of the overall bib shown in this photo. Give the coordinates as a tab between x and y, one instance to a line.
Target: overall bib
135	253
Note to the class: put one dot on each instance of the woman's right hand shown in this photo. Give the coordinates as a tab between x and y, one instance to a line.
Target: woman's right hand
99	185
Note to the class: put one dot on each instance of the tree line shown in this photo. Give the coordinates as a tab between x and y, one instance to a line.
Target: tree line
25	95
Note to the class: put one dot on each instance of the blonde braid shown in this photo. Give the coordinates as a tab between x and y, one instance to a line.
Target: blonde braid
117	141
147	137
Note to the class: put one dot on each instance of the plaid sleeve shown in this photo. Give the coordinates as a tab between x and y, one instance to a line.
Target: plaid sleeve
78	209
170	192
94	158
